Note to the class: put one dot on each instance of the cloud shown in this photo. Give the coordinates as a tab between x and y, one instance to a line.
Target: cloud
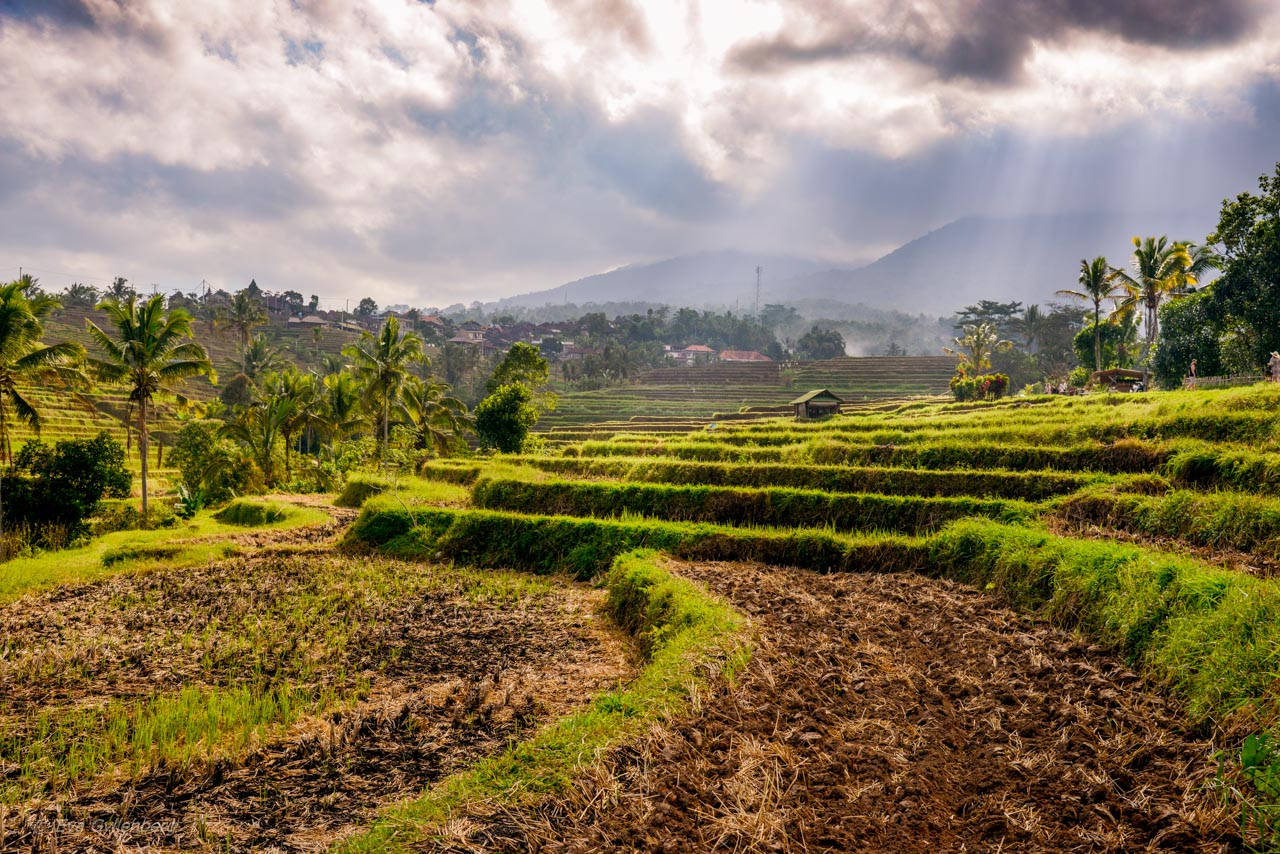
988	40
462	150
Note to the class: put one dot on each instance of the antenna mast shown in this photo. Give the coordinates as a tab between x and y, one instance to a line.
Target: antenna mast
758	270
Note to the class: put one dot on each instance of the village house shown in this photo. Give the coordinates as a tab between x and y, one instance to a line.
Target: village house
694	353
743	356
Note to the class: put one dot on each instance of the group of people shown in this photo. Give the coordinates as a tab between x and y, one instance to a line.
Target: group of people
1273	370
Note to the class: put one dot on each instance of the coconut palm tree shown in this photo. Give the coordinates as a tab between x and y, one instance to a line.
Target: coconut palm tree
382	364
80	296
302	391
1160	269
259	357
120	289
1033	324
977	345
436	419
260	426
243	313
24	360
1097	282
154	354
341	416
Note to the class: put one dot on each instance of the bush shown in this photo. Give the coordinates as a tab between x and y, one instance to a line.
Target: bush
58	488
982	387
117	515
253	513
211	466
360	489
503	419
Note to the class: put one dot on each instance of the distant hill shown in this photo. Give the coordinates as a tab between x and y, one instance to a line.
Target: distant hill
702	279
1015	258
1023	258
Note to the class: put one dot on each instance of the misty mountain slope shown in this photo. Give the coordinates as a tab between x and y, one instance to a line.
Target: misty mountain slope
1023	258
1009	258
705	278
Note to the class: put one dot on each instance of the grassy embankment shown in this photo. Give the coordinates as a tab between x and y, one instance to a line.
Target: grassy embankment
188	543
966	492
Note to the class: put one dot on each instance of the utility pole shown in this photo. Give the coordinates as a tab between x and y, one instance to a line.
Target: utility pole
758	270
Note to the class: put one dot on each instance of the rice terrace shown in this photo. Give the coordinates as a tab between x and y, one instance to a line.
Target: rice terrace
742	426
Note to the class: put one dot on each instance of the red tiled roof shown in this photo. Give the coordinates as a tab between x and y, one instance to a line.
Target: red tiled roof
743	356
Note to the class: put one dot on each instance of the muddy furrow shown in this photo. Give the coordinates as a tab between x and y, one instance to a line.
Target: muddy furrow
893	713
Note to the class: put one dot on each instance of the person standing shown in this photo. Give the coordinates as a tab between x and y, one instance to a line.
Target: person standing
1191	378
1273	367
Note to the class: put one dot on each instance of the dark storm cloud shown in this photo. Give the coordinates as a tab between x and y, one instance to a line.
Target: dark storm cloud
989	40
57	12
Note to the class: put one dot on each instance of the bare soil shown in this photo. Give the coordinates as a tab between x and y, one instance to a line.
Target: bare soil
453	672
893	713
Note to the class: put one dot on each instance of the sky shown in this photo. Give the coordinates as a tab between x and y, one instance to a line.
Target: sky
434	153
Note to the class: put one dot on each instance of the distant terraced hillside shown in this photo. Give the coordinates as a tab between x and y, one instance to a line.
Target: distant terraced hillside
66	418
703	391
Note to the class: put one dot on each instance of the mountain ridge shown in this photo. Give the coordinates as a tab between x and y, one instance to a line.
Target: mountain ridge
1026	257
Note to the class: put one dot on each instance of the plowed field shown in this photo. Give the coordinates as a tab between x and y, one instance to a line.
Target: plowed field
274	702
894	713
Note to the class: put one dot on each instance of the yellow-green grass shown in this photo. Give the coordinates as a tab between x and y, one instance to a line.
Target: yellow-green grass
285	640
1206	633
778	507
687	636
413	491
1003	483
187	543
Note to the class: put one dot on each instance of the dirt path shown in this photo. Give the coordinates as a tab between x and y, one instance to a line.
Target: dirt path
892	713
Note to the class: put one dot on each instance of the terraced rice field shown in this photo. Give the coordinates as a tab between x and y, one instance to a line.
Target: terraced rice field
1041	624
699	393
65	417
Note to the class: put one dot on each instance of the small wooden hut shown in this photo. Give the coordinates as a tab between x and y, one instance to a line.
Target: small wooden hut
818	403
1117	379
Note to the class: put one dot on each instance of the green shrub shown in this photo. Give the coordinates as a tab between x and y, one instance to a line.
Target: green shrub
57	488
249	513
359	489
504	417
120	514
213	466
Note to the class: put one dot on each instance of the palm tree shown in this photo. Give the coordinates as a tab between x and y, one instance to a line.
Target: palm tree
382	364
331	364
1160	269
153	355
120	289
977	345
1097	282
260	426
301	390
242	314
24	360
1033	325
341	416
80	296
436	419
259	358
